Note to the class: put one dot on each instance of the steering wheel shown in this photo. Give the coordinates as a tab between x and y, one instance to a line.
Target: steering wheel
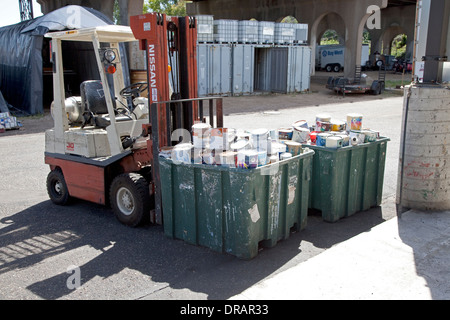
134	90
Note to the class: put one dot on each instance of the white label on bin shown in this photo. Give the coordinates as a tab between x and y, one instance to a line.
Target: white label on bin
254	213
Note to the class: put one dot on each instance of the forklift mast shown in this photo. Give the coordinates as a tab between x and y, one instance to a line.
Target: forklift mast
170	44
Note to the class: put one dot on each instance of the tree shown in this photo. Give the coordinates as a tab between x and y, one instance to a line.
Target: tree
169	7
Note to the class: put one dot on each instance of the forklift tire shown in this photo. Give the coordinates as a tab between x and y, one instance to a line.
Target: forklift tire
130	199
57	187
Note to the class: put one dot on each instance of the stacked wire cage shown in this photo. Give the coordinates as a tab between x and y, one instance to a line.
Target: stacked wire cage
226	31
301	33
284	33
266	32
205	28
248	31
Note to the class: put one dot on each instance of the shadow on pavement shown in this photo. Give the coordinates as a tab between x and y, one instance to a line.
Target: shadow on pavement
46	234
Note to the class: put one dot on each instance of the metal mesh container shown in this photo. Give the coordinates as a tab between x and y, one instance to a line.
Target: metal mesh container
266	32
226	31
248	31
301	33
284	33
205	28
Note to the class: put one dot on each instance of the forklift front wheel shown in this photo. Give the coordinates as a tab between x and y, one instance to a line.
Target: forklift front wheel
130	198
57	187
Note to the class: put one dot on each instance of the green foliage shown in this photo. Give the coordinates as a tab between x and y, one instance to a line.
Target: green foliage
398	48
329	37
169	7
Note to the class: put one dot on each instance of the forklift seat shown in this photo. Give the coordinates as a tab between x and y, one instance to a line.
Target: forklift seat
94	103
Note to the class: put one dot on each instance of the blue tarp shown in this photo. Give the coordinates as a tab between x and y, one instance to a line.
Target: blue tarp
21	62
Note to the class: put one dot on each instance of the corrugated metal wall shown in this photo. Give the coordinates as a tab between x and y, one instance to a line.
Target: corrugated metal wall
242	69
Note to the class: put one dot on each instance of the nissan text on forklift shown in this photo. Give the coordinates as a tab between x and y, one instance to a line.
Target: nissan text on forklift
101	148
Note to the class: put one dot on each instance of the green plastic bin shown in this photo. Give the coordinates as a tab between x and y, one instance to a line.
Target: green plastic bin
235	210
347	180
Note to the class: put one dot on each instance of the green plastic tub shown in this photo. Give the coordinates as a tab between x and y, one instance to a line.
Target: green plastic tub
235	211
347	180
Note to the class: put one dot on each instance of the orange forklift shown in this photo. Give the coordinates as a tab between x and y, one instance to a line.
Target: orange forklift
105	143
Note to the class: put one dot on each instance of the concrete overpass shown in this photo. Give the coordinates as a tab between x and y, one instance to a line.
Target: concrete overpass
348	17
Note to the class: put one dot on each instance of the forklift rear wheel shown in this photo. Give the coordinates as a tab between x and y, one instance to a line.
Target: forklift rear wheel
57	187
130	198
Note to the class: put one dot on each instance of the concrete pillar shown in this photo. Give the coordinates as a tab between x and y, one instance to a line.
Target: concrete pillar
424	162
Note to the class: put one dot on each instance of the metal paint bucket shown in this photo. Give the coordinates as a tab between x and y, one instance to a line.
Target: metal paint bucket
294	148
239	145
262	158
345	139
277	147
301	124
166	152
201	135
354	121
221	138
182	152
227	159
260	139
208	157
322	139
274	159
247	159
285	156
360	137
370	136
338	125
285	134
313	136
301	134
273	134
334	142
323	126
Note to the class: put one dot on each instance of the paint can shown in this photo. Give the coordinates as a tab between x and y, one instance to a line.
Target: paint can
220	138
301	134
227	159
370	136
285	156
166	152
294	148
313	136
345	139
277	147
285	134
334	142
182	152
201	135
354	121
301	124
338	125
239	145
247	159
260	139
274	159
323	126
273	134
360	137
208	157
323	122
322	139
262	158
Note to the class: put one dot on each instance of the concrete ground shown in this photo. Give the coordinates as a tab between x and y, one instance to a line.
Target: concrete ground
42	245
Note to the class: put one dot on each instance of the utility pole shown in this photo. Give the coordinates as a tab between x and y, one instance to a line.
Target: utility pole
26	10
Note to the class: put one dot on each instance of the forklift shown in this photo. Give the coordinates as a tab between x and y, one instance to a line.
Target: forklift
104	145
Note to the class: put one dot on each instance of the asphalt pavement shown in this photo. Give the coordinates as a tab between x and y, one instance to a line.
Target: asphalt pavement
82	252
